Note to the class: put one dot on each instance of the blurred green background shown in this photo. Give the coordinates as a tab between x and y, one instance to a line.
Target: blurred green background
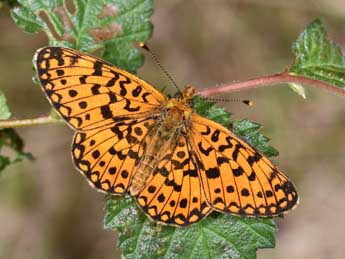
47	209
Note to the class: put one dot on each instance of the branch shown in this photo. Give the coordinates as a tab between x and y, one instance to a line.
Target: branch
29	122
270	80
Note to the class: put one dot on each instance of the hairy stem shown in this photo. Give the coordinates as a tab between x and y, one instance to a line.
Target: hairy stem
280	78
29	122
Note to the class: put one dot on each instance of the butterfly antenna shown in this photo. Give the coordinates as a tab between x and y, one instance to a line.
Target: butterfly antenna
154	57
246	102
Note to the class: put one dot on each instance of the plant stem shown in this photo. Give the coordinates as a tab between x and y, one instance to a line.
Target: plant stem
270	80
232	87
29	122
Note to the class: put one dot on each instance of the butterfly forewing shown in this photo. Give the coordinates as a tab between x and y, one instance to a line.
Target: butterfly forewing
90	93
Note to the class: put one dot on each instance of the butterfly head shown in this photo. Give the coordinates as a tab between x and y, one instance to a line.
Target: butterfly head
188	93
180	105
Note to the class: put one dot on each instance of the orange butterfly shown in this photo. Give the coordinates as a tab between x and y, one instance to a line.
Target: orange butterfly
131	138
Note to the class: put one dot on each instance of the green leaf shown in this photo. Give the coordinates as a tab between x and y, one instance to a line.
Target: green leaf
4	110
216	236
250	131
136	27
211	111
110	25
317	57
13	145
10	140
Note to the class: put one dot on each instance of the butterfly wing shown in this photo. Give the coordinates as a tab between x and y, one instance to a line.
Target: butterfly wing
173	193
109	156
112	110
236	178
90	93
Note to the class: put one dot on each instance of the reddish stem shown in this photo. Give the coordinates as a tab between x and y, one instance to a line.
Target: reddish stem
270	80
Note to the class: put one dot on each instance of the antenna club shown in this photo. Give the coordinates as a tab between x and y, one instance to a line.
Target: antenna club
248	102
144	46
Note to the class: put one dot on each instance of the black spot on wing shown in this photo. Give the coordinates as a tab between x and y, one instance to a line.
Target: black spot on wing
72	93
60	72
177	187
106	112
222	160
212	172
207	132
98	68
82	79
255	158
55	53
236	151
204	151
144	97
137	91
129	108
117	131
215	136
229	145
95	89
113	80
123	91
238	171
112	97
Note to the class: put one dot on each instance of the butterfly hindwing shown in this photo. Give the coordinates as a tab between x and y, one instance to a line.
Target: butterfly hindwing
109	156
236	178
89	92
173	193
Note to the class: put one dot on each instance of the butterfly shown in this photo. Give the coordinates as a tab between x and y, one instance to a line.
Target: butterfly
130	138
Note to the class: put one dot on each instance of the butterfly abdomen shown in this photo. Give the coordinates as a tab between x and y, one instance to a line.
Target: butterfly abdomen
161	140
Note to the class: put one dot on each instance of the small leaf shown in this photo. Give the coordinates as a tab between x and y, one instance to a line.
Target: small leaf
4	162
211	111
10	139
216	236
136	27
4	110
111	25
27	20
299	89
250	131
317	57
